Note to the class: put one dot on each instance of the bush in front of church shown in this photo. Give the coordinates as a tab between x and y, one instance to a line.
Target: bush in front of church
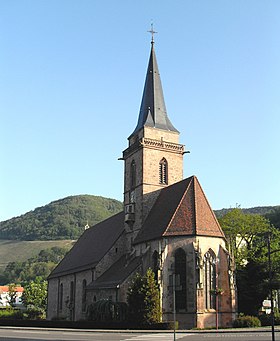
107	311
144	299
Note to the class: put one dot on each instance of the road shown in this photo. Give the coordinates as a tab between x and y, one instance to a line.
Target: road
16	334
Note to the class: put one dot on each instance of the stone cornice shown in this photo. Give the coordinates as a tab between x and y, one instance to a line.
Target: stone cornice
162	145
154	144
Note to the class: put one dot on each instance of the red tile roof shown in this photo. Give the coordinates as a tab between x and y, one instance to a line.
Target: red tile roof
5	288
181	209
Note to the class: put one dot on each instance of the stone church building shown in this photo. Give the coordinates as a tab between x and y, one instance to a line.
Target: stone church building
167	224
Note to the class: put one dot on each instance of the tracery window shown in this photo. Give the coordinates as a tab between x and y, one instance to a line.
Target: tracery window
209	264
132	174
156	264
163	172
181	279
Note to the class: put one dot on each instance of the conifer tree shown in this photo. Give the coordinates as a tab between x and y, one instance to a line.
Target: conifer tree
144	299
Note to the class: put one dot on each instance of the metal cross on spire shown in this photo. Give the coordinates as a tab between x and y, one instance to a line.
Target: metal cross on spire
152	32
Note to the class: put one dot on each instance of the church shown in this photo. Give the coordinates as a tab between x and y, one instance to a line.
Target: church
167	225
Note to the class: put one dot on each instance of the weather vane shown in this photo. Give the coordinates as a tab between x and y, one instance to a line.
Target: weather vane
152	32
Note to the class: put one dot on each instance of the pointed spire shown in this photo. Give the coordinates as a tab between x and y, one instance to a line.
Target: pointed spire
153	111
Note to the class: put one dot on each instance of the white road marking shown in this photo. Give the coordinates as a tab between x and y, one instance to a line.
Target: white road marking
161	337
21	331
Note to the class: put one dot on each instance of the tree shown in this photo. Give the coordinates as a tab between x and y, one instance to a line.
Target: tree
35	297
144	299
274	217
12	294
241	230
247	238
38	266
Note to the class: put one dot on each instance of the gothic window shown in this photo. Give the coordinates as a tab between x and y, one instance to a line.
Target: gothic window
180	275
209	264
163	172
155	264
72	292
72	301
84	295
132	174
60	296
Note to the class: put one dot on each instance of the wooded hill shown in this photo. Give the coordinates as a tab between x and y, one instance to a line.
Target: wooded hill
36	242
262	210
66	218
62	219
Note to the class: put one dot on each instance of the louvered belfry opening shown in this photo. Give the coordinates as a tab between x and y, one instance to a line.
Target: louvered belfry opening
163	172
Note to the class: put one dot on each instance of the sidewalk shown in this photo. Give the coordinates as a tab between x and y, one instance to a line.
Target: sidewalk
189	331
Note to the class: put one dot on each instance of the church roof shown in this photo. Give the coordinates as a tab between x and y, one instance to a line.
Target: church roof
153	111
181	209
116	274
90	248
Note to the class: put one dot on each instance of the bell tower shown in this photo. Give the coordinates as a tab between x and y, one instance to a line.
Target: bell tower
154	157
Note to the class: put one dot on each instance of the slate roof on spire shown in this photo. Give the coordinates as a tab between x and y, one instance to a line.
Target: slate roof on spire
153	111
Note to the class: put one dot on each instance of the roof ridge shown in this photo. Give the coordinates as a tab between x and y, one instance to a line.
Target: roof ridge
179	205
209	206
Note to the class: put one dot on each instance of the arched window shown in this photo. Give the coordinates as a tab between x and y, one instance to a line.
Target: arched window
209	264
132	174
60	296
155	264
72	301
84	295
181	279
163	172
72	292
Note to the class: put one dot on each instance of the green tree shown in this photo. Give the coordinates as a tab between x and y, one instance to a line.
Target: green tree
241	230
38	266
35	297
144	299
274	217
12	294
247	239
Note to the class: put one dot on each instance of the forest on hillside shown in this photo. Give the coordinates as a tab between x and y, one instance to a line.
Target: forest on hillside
62	219
21	272
65	219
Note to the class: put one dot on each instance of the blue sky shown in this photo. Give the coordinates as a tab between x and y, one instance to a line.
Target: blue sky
71	81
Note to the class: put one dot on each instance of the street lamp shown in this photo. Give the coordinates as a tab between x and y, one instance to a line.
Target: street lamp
269	253
217	293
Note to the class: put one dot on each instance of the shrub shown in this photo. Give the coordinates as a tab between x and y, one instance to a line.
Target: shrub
10	314
34	313
106	310
246	321
144	299
266	319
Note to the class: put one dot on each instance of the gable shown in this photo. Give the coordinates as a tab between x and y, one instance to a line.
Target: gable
206	221
181	209
194	215
162	212
91	247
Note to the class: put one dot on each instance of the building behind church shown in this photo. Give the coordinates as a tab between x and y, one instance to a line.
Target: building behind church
167	224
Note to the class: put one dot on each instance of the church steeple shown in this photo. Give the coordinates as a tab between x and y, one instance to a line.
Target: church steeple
153	110
154	157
